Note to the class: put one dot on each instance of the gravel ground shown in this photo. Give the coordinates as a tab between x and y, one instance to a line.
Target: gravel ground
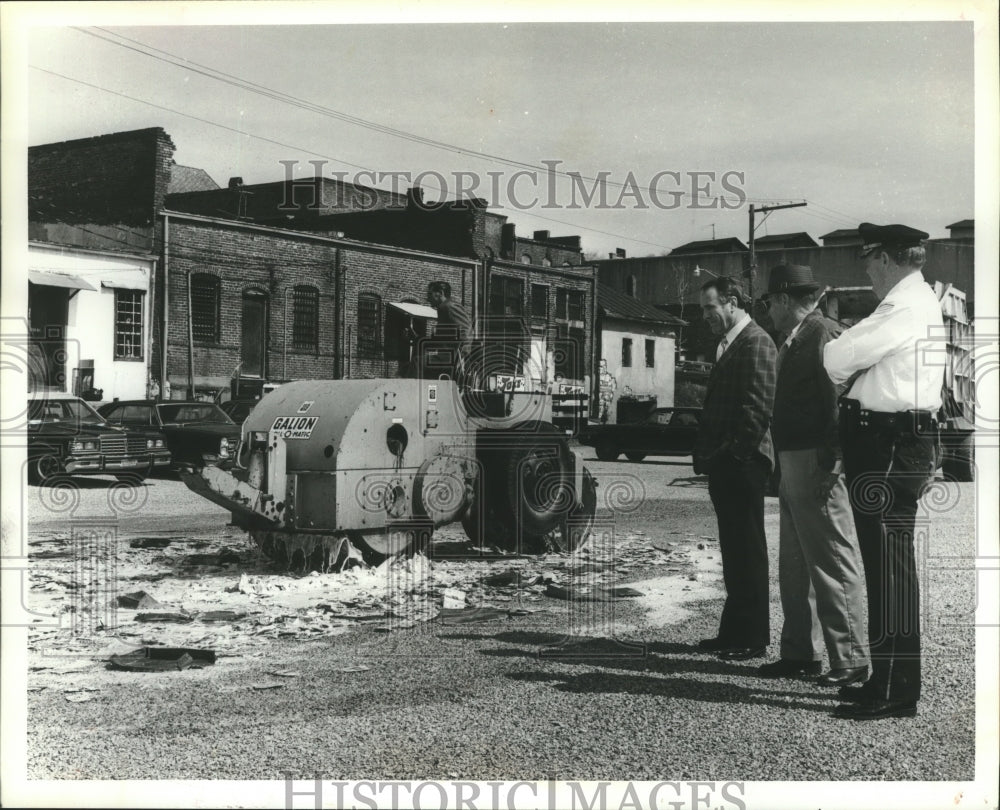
523	697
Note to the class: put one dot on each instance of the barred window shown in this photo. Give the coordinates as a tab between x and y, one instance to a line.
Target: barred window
205	307
128	324
369	323
305	318
650	353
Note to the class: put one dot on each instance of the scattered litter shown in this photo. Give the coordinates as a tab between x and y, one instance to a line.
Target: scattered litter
162	659
284	673
164	617
138	600
273	685
453	599
224	557
221	615
470	615
356	668
509	577
693	576
702	547
81	698
622	592
151	542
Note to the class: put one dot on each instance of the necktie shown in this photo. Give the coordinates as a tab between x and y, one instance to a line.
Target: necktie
722	348
783	351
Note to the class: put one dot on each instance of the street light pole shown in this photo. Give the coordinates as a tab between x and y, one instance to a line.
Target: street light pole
752	269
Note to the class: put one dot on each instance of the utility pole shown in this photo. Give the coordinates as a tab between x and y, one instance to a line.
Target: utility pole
752	270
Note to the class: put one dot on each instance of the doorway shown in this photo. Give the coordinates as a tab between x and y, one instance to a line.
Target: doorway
253	354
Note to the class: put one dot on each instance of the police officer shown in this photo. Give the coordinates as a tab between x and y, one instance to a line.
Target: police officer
888	434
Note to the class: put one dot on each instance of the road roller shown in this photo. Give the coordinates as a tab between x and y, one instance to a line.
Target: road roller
327	467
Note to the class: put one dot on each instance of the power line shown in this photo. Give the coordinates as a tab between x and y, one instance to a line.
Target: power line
209	72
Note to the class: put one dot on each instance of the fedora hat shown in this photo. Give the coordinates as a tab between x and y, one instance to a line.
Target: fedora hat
791	278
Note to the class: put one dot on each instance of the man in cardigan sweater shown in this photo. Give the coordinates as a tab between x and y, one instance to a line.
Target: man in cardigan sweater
819	565
734	449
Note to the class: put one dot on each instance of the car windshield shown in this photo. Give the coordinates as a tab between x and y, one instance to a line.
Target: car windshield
63	410
186	412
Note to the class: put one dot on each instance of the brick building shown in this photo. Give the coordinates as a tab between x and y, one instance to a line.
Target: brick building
312	278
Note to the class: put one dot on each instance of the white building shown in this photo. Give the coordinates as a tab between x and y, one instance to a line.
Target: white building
638	351
89	319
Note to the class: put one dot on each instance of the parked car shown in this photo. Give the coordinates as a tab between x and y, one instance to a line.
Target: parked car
67	437
237	409
197	433
665	432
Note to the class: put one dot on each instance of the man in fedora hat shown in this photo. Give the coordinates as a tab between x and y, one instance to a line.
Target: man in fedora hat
889	436
819	567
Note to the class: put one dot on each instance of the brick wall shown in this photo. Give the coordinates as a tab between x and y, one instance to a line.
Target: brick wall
273	262
116	181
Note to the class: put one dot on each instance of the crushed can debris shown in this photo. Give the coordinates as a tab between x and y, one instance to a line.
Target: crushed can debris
162	659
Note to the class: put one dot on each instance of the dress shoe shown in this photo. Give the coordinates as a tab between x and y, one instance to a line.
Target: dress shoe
786	668
713	644
742	653
876	709
843	676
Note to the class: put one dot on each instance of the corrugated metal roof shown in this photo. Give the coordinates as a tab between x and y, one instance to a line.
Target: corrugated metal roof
711	245
618	305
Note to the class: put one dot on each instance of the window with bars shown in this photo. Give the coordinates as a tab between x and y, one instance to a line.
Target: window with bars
305	318
205	295
569	305
128	324
369	323
650	353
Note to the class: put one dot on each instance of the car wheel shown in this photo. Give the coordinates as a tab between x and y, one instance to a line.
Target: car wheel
44	470
606	451
636	457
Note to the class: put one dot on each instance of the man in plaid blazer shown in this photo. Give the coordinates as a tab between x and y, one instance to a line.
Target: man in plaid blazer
734	449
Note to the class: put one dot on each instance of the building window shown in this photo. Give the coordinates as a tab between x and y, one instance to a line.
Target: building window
650	353
369	323
205	307
305	318
128	324
626	352
525	258
540	301
546	262
569	305
568	355
506	296
630	286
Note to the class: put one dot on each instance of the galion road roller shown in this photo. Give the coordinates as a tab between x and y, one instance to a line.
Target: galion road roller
328	468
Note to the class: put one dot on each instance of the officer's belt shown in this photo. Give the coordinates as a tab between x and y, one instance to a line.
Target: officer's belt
912	421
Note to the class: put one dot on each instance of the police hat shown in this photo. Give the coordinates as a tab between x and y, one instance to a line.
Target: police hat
889	237
790	278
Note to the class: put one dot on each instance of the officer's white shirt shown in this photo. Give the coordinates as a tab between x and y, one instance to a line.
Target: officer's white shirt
890	343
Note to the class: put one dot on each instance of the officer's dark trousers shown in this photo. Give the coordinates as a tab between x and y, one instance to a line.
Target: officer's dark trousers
737	493
885	472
